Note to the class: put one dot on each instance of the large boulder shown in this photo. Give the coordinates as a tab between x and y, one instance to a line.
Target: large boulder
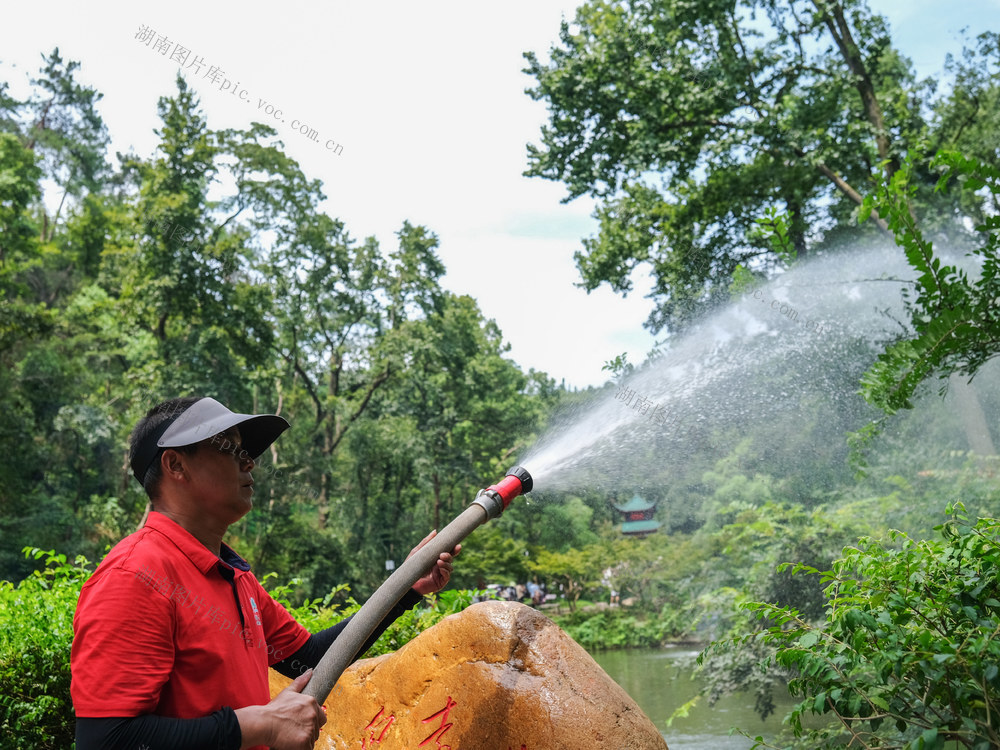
498	676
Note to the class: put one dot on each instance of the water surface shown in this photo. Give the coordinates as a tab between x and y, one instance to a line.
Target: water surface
660	681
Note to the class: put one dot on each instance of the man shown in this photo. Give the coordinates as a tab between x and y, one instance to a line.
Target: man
173	633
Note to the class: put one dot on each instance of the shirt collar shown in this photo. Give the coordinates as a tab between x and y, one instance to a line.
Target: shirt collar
194	550
228	556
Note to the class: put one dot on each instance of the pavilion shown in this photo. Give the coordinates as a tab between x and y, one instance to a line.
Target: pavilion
637	516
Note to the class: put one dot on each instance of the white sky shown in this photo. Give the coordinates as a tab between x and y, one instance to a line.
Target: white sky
428	102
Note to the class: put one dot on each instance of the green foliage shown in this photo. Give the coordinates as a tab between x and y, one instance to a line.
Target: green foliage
743	281
774	228
907	654
36	630
695	125
491	556
619	367
146	288
576	570
955	318
320	613
613	629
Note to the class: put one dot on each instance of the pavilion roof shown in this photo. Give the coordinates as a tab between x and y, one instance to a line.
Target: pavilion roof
639	527
635	505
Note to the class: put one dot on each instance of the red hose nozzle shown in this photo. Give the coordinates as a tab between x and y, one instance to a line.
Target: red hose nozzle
517	482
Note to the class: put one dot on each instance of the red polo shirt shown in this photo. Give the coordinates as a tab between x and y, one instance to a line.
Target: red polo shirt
165	627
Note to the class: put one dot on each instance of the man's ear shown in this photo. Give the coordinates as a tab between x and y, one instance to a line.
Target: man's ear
172	465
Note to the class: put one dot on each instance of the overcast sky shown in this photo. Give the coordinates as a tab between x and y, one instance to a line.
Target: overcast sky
425	103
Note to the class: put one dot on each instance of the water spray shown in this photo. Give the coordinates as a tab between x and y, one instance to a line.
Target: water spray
488	504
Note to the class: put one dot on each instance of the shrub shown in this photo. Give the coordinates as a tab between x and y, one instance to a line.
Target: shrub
322	613
908	654
612	629
36	630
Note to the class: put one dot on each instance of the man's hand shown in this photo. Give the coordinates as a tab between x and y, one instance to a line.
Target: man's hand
289	722
438	576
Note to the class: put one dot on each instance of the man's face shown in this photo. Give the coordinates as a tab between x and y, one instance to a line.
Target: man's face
220	476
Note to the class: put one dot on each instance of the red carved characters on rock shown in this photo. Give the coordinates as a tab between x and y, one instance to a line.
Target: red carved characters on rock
440	731
379	726
373	727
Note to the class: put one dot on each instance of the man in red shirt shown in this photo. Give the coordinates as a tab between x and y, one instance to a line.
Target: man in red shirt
173	633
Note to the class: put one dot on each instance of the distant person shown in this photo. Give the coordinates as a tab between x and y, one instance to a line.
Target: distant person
535	592
173	633
607	581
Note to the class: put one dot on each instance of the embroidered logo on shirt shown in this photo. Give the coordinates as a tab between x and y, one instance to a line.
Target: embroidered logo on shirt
256	612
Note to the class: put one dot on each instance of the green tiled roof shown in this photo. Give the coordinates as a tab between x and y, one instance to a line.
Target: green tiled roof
635	505
639	527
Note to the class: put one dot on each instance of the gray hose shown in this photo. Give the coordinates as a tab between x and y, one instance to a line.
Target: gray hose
345	649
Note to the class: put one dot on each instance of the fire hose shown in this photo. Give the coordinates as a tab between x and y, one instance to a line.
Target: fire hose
488	504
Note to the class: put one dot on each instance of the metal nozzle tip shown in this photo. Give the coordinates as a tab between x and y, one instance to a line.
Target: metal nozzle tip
522	474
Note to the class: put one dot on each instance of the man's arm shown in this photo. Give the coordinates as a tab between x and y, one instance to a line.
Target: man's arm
289	722
309	654
312	651
220	731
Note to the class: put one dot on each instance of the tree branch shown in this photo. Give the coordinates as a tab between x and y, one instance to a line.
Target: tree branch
841	33
379	380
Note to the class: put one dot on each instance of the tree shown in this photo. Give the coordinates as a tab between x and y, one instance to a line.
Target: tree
209	268
24	321
443	427
342	311
60	124
743	113
469	403
575	570
490	556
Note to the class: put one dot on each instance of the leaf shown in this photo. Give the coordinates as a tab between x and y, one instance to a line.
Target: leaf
809	639
682	711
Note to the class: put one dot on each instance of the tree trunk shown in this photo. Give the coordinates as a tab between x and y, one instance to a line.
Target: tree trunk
797	229
145	515
323	501
437	500
839	29
970	411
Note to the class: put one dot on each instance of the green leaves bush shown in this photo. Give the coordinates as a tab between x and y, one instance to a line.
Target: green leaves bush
908	654
36	630
318	614
612	629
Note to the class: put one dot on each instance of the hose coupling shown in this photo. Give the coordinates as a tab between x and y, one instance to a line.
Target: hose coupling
490	501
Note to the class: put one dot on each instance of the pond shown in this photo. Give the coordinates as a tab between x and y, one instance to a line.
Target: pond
660	681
